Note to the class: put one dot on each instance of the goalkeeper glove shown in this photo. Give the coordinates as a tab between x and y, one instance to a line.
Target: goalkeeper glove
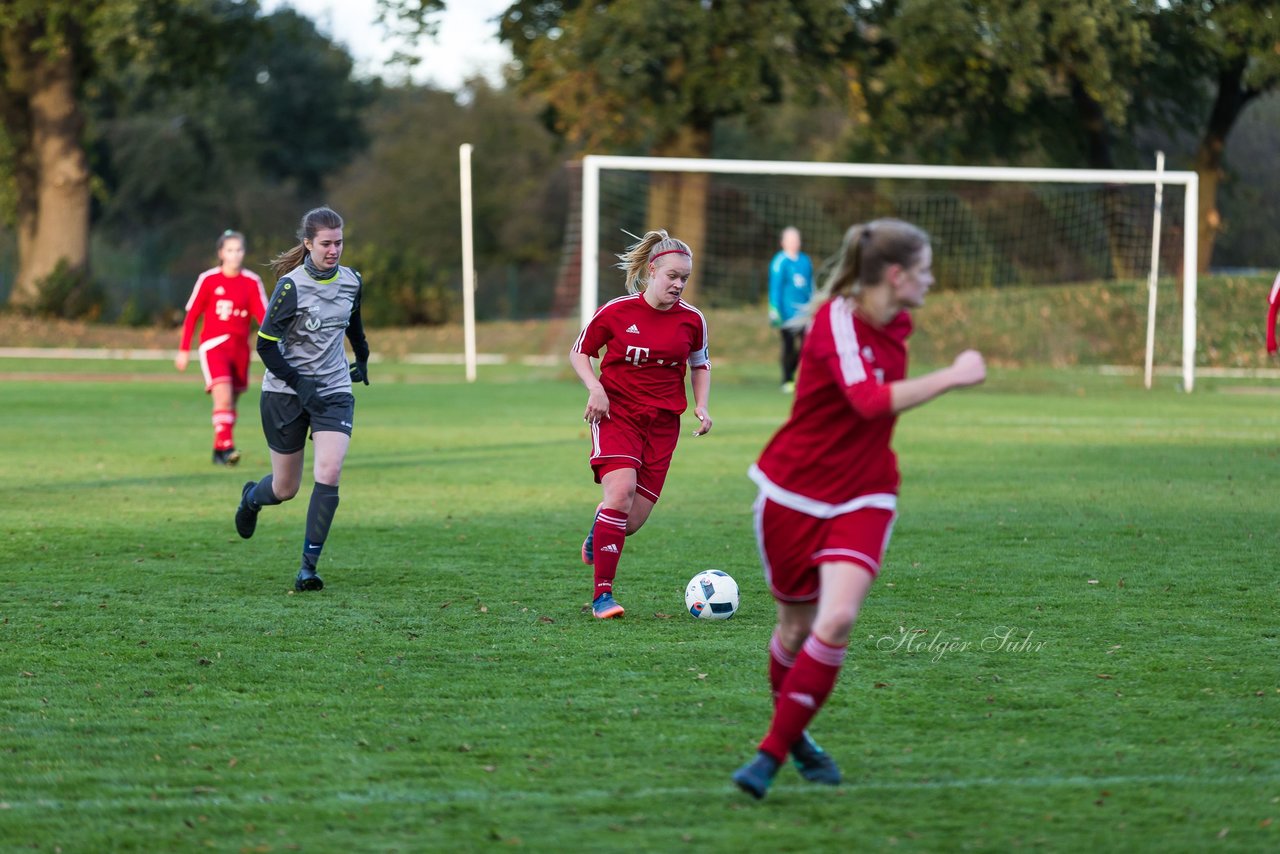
309	396
360	372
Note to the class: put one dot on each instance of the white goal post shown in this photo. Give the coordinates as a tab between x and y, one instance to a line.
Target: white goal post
594	164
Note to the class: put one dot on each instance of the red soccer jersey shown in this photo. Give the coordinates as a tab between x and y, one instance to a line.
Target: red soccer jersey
646	350
833	452
227	303
1274	301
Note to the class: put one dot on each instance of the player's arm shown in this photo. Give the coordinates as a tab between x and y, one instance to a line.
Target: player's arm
592	338
700	379
258	300
870	398
195	308
359	344
1271	315
775	291
597	400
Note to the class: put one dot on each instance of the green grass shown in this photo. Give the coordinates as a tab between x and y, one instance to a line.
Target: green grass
161	688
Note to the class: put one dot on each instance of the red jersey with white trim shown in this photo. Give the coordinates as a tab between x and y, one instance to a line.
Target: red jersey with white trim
227	303
834	449
1274	302
646	350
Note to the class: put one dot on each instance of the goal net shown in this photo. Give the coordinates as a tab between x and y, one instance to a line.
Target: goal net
991	227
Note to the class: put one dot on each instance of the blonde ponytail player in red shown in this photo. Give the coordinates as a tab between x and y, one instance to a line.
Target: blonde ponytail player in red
829	480
649	337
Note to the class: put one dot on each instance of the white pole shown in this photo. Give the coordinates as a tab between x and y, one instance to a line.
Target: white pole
468	266
1153	277
1190	249
590	285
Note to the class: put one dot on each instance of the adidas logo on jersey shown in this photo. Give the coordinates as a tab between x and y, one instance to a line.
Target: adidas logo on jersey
219	291
611	549
632	328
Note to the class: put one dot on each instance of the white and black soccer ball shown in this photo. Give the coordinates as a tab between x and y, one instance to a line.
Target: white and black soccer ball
712	595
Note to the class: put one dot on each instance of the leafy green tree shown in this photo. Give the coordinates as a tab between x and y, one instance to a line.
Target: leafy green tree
1071	80
402	196
1227	52
53	53
654	76
239	147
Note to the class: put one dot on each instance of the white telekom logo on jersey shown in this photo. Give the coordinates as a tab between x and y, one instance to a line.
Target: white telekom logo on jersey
637	355
224	309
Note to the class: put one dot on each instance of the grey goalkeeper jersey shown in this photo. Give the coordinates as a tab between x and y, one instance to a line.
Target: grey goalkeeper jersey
307	319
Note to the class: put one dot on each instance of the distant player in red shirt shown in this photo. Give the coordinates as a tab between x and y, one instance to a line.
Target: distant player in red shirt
226	296
829	480
1272	311
634	406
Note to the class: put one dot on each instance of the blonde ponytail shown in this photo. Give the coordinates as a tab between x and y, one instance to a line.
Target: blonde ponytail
635	261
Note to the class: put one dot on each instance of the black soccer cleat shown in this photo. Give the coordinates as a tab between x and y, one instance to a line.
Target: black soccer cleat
754	777
814	763
229	457
247	512
307	580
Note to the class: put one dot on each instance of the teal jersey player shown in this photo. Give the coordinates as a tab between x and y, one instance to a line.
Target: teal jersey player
790	291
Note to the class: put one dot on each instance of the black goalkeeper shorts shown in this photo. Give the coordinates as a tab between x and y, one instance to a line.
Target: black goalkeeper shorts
285	421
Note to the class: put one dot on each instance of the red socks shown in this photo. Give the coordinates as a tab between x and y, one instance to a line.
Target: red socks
781	660
802	692
610	532
223	421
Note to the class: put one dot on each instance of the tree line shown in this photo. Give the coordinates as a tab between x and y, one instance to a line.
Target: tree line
141	129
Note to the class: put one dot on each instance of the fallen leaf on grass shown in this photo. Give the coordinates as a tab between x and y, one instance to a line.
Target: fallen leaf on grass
1093	581
1104	675
661	616
545	619
204	662
881	685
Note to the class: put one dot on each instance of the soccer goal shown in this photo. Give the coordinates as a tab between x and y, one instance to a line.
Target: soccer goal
992	227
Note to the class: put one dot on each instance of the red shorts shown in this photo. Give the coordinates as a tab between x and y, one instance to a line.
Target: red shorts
643	440
225	361
792	545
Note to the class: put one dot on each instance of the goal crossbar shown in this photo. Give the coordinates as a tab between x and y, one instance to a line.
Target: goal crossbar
593	164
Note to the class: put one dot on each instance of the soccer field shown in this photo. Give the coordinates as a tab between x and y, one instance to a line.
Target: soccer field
1074	643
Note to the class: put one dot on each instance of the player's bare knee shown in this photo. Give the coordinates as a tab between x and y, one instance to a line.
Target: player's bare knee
793	633
284	489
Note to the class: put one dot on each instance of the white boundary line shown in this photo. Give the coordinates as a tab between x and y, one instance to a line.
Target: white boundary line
143	355
1171	371
184	798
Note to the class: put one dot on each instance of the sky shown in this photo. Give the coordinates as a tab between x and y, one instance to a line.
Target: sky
466	44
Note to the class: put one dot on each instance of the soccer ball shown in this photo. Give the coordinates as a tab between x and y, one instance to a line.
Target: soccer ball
712	595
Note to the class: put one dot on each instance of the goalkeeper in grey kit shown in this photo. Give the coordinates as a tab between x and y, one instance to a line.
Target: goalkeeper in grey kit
307	384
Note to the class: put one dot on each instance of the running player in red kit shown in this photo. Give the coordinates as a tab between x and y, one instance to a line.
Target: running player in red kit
1273	302
829	480
227	296
634	406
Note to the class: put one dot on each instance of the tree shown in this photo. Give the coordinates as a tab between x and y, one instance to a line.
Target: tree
1233	59
997	80
654	76
51	53
402	196
235	147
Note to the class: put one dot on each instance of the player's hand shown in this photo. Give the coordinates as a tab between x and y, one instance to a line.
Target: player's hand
775	319
180	361
705	418
309	396
360	372
597	406
968	368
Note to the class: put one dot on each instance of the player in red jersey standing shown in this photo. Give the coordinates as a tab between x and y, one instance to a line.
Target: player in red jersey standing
634	406
829	480
227	296
1273	302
